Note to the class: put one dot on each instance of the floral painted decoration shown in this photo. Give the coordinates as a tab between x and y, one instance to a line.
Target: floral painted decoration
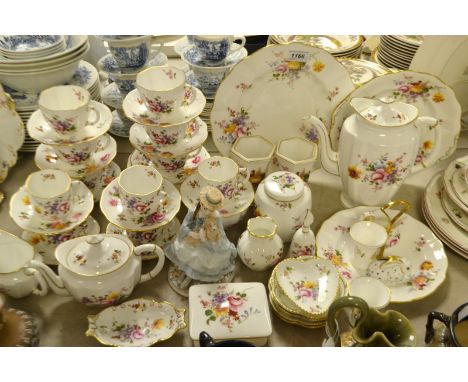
286	181
229	308
238	125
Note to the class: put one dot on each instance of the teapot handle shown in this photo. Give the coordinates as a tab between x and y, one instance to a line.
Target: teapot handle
158	267
424	123
42	286
344	302
445	319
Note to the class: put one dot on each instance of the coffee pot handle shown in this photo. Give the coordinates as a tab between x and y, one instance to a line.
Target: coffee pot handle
335	308
445	319
159	266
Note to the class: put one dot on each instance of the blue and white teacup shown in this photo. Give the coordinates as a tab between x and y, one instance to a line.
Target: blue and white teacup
130	53
126	82
215	48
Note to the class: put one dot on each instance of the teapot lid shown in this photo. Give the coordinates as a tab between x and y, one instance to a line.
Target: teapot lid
385	111
284	186
94	255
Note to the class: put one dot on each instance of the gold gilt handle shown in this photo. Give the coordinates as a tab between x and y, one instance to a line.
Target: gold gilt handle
404	207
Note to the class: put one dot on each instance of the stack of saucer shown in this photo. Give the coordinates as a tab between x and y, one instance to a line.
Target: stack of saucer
210	59
445	206
397	51
85	76
348	46
302	289
72	131
128	56
168	134
141	205
52	208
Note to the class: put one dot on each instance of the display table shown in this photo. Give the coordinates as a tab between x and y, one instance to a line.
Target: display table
62	320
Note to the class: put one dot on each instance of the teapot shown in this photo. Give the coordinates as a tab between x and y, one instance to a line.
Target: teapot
99	270
372	328
378	146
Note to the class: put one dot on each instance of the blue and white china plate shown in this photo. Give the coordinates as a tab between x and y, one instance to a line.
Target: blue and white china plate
40	130
114	211
47	158
136	110
24	215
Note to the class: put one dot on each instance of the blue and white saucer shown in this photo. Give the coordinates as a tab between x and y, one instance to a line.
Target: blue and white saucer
111	96
109	64
192	56
120	124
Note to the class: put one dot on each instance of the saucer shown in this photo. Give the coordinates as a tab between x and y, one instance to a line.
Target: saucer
448	179
459	217
193	56
160	236
120	127
111	96
24	215
190	191
141	141
99	180
136	110
111	207
459	184
108	64
46	158
140	322
45	244
409	238
40	130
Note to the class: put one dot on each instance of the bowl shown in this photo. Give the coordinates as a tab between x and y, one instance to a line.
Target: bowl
372	291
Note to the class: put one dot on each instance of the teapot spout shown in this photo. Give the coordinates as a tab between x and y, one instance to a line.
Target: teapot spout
328	157
53	281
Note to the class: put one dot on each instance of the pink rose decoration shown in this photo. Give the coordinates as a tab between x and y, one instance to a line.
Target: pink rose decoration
305	292
283	68
137	334
113	202
235	303
105	157
63	207
404	89
378	176
196	160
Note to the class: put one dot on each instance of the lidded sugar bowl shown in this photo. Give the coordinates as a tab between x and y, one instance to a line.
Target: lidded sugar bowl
99	270
285	197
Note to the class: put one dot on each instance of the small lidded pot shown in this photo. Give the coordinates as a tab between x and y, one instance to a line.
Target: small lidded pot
285	197
99	270
260	247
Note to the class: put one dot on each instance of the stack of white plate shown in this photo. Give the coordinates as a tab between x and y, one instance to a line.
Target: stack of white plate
445	206
33	75
339	46
397	51
30	47
85	76
205	115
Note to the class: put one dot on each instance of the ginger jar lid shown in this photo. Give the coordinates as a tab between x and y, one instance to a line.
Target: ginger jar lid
94	255
284	186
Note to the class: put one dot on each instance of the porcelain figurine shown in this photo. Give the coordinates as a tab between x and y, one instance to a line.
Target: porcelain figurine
99	270
202	250
260	247
285	197
303	241
377	149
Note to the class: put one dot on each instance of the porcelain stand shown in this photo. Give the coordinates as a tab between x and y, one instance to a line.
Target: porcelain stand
181	283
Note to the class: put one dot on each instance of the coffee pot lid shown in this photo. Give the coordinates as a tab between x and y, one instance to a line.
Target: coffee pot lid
284	186
94	255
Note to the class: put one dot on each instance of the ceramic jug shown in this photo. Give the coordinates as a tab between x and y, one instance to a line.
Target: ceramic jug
377	149
456	323
372	327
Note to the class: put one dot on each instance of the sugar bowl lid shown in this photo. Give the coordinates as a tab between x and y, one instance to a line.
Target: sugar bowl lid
94	255
284	186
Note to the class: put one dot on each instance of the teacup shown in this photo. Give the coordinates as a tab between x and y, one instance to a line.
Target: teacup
130	52
49	192
296	155
368	237
372	291
223	173
140	190
17	279
80	153
457	323
216	48
166	138
162	89
66	108
175	167
254	153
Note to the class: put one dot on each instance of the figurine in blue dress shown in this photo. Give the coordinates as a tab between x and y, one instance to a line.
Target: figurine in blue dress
202	250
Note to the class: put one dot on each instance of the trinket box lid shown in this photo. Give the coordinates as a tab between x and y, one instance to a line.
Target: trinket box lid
230	311
284	186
